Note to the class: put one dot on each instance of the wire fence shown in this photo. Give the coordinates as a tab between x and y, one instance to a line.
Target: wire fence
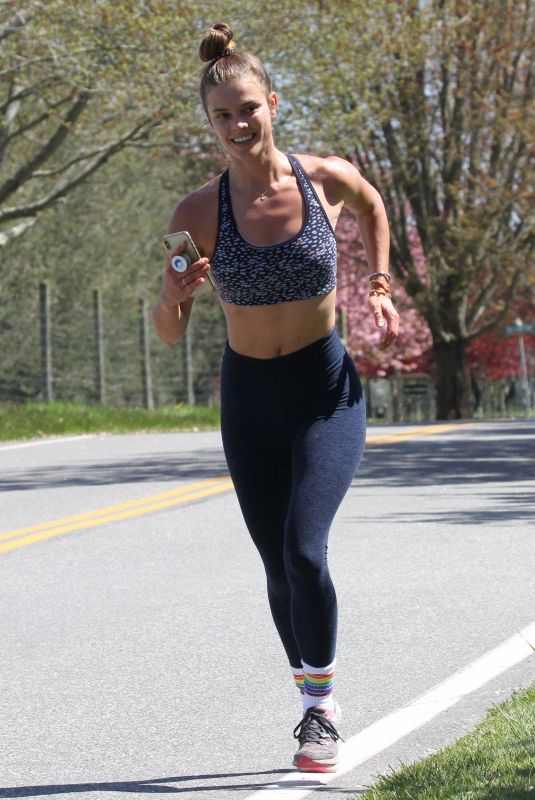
97	348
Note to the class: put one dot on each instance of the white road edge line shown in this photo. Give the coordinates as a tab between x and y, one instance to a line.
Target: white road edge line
38	442
390	729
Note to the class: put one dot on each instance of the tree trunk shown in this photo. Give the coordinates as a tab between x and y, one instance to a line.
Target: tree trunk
454	390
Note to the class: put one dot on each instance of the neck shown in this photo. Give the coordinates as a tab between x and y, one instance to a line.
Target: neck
257	175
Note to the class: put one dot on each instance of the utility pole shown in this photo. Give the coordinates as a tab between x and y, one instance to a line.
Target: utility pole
524	374
519	329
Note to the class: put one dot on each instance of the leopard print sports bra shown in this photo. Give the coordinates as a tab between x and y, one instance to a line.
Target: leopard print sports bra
301	267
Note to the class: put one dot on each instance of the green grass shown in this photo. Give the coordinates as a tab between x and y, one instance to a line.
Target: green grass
31	420
496	761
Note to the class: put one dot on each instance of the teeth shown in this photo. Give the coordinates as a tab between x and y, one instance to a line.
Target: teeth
244	138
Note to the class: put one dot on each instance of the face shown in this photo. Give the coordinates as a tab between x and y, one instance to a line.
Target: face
241	116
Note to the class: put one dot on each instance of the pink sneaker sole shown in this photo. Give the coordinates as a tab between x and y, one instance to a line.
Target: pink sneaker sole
307	764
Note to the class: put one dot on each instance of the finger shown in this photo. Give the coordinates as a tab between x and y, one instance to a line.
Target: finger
378	317
199	267
191	273
190	283
388	340
393	322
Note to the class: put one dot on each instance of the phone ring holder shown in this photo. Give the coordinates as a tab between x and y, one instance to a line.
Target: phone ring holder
179	263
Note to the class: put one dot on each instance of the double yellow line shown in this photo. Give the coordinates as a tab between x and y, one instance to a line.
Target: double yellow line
414	433
173	497
132	508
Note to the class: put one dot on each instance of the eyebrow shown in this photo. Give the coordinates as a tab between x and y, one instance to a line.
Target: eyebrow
245	103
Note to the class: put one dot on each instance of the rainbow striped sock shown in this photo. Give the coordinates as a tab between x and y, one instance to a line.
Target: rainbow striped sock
299	679
319	683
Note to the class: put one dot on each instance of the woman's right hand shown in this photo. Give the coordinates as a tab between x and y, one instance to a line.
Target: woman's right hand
177	287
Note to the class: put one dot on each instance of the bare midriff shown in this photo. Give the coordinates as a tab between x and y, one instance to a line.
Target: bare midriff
278	329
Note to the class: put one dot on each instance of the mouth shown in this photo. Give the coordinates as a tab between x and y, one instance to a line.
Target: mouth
243	139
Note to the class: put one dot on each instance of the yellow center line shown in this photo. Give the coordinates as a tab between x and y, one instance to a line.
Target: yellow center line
135	508
21	537
102	512
414	433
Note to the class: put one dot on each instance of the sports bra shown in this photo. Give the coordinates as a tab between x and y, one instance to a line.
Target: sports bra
301	267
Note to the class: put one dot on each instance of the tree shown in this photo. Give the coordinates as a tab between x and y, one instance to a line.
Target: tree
79	83
435	102
411	351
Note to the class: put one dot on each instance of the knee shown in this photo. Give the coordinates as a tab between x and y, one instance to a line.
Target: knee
305	568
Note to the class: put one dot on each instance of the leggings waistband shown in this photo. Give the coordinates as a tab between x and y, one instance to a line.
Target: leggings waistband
322	351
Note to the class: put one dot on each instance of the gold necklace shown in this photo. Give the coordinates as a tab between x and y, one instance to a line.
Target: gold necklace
264	194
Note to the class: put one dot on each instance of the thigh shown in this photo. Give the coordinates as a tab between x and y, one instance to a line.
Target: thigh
326	454
260	467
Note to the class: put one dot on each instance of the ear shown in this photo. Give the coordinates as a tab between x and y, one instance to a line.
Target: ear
273	102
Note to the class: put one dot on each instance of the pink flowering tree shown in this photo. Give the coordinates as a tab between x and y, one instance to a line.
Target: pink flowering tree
411	352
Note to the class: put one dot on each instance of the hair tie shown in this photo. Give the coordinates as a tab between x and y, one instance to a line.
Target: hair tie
221	55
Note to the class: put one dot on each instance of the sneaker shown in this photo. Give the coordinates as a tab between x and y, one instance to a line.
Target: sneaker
318	743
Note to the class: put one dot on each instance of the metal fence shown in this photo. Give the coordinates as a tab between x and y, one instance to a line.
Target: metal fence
97	348
101	350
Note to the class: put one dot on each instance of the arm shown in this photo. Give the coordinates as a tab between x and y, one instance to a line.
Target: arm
172	310
360	197
169	314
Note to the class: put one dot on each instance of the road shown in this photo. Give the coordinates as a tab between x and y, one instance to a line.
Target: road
138	653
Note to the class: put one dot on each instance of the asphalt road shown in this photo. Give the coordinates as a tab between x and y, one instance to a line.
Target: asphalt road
138	655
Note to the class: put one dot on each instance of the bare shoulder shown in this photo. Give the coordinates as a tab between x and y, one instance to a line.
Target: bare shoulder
342	183
336	175
197	213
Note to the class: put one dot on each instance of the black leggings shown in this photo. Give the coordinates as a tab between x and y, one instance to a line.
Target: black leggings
293	432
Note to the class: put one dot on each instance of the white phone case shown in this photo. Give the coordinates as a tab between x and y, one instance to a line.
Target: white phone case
171	242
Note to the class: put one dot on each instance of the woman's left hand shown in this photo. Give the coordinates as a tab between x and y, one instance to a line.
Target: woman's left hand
386	318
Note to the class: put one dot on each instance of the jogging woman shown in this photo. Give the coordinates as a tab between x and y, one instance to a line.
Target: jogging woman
292	408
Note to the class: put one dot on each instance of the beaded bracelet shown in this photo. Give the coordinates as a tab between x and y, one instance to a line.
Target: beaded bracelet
380	286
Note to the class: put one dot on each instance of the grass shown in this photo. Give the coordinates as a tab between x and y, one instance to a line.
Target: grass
31	420
496	761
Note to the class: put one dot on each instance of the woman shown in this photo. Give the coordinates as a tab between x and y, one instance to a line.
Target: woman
292	409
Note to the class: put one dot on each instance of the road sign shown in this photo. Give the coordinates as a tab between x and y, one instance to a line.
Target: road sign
510	330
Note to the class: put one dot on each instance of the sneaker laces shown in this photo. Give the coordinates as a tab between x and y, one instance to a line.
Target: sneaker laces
314	727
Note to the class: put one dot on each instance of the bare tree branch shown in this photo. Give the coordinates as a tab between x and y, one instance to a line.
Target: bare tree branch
137	140
33	123
19	20
17	230
49	148
67	186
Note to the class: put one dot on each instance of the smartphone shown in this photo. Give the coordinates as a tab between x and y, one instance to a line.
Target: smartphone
181	262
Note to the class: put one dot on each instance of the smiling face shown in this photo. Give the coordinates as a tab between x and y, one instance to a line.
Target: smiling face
241	116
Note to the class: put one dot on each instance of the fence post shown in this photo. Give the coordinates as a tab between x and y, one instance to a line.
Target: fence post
396	389
189	367
146	375
46	342
99	351
343	325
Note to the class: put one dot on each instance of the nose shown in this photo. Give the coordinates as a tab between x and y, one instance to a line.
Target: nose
238	127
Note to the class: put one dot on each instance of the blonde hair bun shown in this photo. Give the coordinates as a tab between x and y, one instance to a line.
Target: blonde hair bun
218	39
